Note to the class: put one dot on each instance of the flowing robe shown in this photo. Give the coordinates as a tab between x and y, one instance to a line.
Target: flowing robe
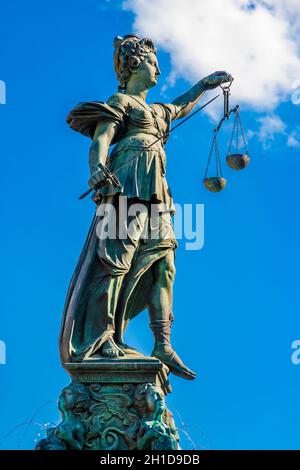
116	271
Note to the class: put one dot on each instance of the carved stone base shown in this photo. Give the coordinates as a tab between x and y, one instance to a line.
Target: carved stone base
116	404
121	371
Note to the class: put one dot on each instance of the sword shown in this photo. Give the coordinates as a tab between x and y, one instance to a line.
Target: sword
109	178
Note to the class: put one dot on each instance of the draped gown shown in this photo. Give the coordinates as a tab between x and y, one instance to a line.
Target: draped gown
112	281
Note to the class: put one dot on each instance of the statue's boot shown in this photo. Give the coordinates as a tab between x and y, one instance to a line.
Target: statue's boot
164	351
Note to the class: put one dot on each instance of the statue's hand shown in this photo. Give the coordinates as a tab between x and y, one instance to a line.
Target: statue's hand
216	79
96	177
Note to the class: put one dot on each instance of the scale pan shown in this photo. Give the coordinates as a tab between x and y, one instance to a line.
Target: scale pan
215	183
237	161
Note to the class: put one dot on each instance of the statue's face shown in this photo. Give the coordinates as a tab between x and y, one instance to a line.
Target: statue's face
67	399
148	71
155	401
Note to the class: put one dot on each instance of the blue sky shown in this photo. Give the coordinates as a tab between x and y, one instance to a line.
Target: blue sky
236	301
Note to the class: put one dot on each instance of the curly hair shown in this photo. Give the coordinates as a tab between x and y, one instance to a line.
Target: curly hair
129	52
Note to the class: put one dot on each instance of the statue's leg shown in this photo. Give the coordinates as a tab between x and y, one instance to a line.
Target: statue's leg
161	299
161	316
116	256
102	302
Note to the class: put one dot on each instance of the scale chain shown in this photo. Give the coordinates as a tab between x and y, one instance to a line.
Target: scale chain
210	154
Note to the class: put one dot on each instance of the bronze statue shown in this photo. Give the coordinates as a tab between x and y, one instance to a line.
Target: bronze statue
157	431
116	279
71	432
96	417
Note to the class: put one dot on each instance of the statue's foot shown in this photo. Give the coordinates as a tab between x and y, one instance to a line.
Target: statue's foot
169	357
111	350
121	352
126	349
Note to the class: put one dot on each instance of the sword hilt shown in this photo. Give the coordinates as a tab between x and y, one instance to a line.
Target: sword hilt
109	178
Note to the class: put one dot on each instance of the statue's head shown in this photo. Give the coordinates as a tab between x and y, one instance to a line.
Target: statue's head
154	400
135	59
149	399
74	397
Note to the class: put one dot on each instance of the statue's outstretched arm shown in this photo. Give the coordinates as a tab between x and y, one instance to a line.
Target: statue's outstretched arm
104	135
184	104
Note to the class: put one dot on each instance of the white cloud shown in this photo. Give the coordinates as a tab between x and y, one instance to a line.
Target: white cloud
293	139
269	126
257	42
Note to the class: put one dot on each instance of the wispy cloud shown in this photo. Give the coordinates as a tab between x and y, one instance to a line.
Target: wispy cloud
293	139
257	42
270	126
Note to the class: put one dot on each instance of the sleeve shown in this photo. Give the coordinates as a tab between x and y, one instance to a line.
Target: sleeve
85	117
119	102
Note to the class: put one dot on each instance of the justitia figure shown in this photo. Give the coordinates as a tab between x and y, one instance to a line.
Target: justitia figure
117	278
